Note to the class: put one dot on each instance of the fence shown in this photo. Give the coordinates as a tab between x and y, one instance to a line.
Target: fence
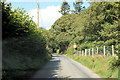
104	50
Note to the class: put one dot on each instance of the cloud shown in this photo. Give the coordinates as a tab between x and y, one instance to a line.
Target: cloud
47	16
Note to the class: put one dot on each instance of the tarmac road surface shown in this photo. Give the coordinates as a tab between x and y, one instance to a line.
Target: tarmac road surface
61	66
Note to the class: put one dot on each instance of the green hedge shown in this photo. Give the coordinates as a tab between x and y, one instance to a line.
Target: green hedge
24	46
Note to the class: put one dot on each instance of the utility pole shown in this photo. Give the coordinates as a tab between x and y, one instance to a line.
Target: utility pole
37	14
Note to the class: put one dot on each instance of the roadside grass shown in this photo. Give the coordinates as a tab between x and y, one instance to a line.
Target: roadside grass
99	64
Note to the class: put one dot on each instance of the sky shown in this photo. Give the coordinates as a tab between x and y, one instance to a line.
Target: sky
48	11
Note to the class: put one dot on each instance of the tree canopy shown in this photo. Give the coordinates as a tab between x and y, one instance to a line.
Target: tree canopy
97	24
65	8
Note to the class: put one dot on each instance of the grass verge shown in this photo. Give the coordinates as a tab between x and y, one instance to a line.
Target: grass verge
100	65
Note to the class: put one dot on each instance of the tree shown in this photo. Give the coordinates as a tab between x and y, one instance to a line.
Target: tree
65	8
62	33
78	6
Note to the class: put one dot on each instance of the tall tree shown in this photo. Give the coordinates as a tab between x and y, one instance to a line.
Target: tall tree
65	8
78	6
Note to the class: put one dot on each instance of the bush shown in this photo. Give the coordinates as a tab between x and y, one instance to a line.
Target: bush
58	51
110	42
70	50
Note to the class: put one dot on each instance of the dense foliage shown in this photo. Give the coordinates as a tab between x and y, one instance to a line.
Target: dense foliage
95	26
24	46
16	23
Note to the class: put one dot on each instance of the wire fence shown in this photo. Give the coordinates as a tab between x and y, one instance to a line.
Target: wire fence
104	50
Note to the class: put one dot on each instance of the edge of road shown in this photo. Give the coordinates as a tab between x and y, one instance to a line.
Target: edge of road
89	71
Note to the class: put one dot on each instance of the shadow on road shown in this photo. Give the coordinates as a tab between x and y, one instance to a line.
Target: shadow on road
51	69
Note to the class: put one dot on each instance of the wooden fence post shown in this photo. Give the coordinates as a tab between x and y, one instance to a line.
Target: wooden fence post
82	52
92	52
85	52
112	50
89	52
104	51
97	50
78	53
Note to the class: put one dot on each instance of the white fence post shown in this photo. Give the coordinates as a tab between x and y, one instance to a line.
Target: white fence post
89	52
82	52
85	52
97	50
112	50
104	51
92	52
78	53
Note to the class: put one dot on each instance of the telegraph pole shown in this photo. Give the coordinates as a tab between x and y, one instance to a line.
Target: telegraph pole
37	14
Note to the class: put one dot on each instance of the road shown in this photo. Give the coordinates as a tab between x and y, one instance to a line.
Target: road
61	66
